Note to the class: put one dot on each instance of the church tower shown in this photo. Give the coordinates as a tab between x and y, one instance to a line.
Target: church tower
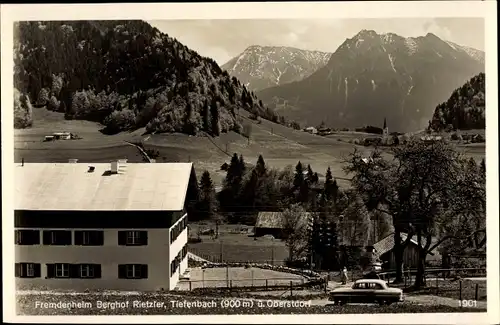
386	129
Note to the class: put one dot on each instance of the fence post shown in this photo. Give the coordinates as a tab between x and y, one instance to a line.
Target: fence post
437	281
460	297
189	285
291	288
477	291
266	284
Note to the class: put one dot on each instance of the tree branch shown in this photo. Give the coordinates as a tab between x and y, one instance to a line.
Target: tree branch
455	237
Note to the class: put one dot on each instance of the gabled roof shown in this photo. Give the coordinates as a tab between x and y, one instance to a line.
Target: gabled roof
275	219
69	186
387	244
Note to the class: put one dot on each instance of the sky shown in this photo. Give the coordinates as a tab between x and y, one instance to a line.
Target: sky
223	39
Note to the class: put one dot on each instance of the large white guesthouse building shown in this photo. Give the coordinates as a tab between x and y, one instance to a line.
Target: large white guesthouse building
110	226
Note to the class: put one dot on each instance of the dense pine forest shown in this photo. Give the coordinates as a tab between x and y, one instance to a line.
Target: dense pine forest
465	109
126	75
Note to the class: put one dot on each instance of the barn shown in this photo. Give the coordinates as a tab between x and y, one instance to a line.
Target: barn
272	223
384	250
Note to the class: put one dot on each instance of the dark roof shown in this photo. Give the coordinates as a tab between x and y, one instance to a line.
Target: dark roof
387	244
274	219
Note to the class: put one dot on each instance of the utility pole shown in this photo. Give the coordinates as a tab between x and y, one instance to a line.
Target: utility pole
221	251
272	253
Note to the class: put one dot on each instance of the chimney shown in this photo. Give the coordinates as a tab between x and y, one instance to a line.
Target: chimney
72	161
22	162
91	169
115	165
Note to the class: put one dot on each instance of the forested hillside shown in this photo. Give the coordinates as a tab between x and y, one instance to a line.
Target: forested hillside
124	74
465	109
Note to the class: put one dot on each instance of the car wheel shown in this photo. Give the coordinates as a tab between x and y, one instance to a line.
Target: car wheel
381	302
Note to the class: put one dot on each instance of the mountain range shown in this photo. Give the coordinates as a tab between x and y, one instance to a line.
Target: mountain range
375	76
260	67
128	75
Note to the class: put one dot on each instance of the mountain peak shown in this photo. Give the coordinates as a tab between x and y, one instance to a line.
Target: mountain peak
366	33
432	35
260	67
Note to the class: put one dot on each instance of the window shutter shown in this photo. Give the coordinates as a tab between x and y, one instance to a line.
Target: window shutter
78	237
46	237
38	270
18	270
97	271
100	238
74	271
122	238
144	237
122	271
144	271
51	270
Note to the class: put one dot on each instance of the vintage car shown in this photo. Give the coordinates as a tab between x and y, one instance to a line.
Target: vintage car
367	291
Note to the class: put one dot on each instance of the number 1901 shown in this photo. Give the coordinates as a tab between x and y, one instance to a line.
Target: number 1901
467	303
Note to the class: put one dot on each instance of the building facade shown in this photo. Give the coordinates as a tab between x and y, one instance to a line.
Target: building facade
82	227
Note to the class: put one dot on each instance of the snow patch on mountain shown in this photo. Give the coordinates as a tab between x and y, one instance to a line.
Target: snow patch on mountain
391	59
473	53
411	45
346	92
268	66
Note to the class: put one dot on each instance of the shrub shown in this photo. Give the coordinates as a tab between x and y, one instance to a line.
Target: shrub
23	111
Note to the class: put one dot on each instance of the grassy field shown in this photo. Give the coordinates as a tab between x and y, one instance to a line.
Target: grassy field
279	145
240	248
162	304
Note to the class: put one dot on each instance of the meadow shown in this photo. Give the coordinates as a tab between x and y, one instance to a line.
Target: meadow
279	145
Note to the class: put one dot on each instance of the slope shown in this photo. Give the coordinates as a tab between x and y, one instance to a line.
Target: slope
465	109
126	75
375	76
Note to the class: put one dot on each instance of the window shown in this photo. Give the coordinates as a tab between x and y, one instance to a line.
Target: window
174	265
89	238
92	271
27	237
73	271
133	271
57	237
133	238
58	270
177	229
27	270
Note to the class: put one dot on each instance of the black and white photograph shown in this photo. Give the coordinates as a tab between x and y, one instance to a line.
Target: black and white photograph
251	159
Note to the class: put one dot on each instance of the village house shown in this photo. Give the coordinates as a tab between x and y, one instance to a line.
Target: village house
311	129
273	223
385	252
111	226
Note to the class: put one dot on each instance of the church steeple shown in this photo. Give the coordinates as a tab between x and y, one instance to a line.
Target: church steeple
385	123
